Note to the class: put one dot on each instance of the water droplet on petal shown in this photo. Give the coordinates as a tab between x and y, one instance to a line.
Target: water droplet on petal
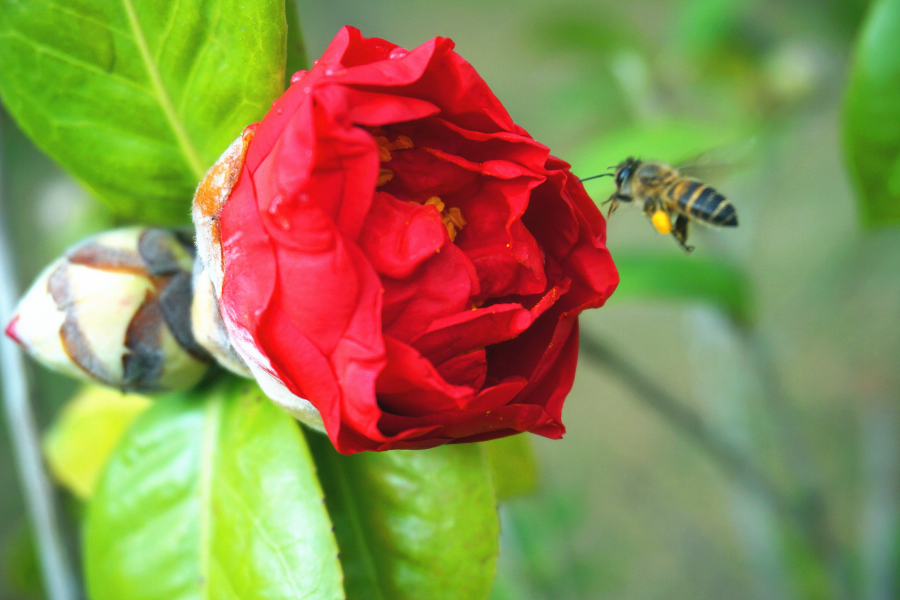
296	77
274	211
279	111
335	71
398	52
307	90
315	62
378	48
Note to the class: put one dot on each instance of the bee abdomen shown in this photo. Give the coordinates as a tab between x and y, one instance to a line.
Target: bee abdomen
705	204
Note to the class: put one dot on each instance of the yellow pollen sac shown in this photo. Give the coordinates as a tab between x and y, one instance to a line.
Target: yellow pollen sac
435	202
452	218
402	143
454	215
662	222
384	175
385	146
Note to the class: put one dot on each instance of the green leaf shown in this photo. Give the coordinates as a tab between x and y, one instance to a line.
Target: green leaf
137	98
78	445
211	495
512	464
412	524
684	278
872	115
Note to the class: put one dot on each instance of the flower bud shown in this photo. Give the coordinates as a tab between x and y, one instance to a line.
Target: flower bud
116	309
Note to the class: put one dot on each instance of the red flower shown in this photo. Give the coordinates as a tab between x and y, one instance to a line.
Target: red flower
400	253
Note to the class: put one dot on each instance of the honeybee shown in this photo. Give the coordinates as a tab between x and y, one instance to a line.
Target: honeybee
665	192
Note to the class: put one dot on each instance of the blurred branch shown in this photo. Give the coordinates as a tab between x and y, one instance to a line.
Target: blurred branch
59	583
733	461
808	514
812	508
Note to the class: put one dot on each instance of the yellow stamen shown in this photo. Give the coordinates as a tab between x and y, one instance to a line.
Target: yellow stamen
384	175
662	222
435	202
384	148
455	217
452	218
402	143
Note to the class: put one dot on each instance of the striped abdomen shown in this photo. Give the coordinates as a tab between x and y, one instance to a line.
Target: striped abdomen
700	201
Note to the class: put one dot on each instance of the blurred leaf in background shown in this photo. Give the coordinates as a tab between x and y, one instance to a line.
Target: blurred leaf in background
671	141
681	278
872	115
85	433
136	99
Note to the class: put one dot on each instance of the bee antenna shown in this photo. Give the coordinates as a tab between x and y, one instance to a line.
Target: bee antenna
595	177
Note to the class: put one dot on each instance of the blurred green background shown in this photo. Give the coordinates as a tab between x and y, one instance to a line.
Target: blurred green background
782	335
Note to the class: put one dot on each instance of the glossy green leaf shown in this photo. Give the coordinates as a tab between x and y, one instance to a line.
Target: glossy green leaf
137	98
80	442
684	278
512	464
412	524
211	495
872	115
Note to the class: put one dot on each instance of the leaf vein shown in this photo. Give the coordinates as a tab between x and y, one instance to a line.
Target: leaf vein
77	62
260	529
187	148
65	9
198	57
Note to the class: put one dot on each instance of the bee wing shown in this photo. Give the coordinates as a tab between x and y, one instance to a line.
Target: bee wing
717	164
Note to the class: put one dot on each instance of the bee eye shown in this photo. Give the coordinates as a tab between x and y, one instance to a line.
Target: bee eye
621	175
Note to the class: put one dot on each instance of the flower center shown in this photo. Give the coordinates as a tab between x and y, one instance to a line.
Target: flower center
451	217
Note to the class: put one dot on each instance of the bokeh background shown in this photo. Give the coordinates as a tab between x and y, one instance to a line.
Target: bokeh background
783	335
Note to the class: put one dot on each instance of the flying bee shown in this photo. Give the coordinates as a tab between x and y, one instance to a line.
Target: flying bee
665	192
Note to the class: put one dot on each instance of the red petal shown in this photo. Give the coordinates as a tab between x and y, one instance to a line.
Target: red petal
484	327
440	288
400	236
411	386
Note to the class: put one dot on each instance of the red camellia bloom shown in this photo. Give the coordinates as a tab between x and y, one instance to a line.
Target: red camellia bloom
402	255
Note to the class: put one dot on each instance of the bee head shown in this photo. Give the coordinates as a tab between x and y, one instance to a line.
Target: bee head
624	171
623	174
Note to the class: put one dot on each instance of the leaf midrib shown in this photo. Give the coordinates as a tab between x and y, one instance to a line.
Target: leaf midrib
178	129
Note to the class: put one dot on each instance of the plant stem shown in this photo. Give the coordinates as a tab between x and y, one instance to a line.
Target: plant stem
59	584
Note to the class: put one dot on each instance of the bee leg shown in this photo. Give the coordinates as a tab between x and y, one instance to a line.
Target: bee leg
681	232
613	205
